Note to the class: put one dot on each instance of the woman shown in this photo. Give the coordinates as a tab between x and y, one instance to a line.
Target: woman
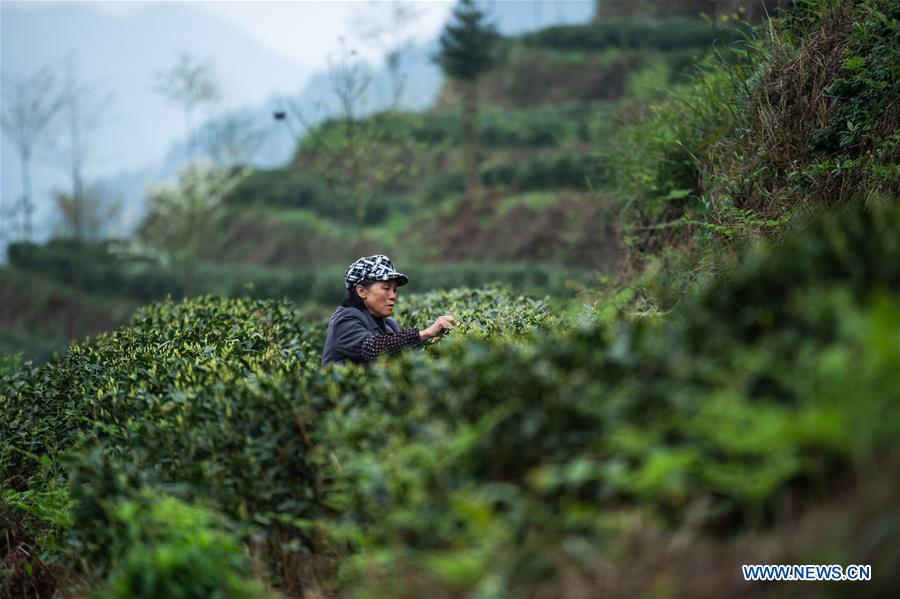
361	328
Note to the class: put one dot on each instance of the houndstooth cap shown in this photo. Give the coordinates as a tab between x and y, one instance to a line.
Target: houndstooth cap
373	268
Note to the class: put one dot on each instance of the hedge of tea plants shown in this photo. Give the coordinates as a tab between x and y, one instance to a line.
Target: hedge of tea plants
212	398
502	465
500	459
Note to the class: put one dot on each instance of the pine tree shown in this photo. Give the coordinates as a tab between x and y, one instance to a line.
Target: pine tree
469	45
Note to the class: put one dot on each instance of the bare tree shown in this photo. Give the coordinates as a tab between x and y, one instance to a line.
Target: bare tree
232	139
89	215
83	107
189	83
30	104
349	83
389	29
345	150
184	215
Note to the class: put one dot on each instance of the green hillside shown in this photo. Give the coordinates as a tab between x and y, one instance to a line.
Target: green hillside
548	224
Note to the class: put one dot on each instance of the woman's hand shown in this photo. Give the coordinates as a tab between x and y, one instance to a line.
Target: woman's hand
440	326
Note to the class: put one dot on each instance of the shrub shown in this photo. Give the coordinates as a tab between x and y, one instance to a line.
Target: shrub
35	530
101	265
167	548
212	394
499	459
547	172
466	471
148	281
160	366
659	34
289	188
659	161
542	171
796	120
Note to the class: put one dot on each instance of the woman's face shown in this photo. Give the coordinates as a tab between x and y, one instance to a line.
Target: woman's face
380	297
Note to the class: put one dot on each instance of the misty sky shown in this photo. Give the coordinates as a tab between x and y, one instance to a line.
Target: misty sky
304	32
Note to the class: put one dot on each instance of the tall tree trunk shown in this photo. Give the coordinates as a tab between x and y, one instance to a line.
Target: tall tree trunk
26	195
191	245
393	63
354	173
77	179
188	140
470	142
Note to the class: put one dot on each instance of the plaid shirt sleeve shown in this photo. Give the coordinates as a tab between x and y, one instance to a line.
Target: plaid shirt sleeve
374	346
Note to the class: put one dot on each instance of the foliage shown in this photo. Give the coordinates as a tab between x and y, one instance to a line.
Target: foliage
500	448
799	119
190	82
541	171
118	268
282	188
30	104
199	366
660	160
90	215
659	34
867	86
547	171
168	548
497	466
469	47
520	451
111	265
843	75
35	525
290	189
486	312
469	43
182	216
9	365
538	126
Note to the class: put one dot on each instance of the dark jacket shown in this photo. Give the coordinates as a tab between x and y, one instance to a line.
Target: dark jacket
348	327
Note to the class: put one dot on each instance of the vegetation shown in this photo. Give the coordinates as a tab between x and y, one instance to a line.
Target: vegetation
673	33
727	394
183	215
126	271
799	121
469	46
502	442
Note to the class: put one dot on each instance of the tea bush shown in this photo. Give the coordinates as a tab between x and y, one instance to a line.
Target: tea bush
498	127
288	188
673	33
211	398
491	465
167	548
152	389
149	279
542	171
493	462
185	385
108	265
488	312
